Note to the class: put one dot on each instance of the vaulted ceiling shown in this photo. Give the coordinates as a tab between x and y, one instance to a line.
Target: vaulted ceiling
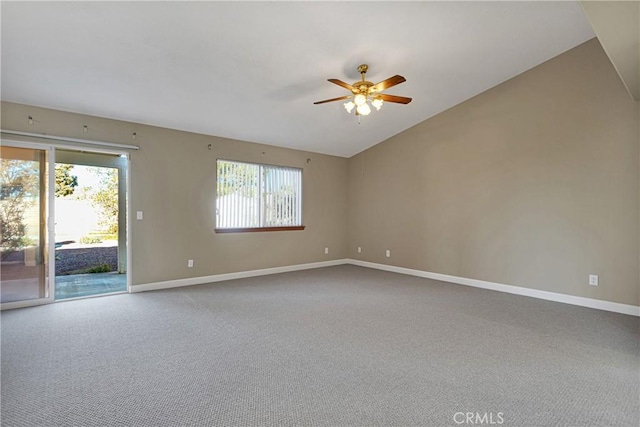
252	70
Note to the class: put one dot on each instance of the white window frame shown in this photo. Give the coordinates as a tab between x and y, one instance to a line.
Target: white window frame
297	208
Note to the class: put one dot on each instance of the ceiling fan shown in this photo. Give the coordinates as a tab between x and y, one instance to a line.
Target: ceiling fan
364	91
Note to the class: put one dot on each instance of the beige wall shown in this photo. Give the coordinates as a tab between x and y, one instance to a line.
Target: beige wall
173	183
617	25
533	183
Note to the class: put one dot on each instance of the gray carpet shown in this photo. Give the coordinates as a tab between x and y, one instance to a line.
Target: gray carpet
328	347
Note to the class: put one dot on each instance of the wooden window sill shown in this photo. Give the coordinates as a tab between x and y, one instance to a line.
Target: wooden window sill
257	229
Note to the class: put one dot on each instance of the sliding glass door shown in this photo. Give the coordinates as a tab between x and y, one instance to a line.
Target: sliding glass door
63	223
24	184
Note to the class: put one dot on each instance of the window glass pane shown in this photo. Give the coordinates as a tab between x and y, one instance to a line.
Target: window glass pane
280	196
23	213
237	203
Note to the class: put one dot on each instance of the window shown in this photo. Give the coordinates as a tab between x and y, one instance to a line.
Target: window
254	197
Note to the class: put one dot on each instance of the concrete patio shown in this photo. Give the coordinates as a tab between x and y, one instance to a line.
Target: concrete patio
82	285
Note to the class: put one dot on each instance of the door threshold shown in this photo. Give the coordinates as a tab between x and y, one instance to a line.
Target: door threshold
106	294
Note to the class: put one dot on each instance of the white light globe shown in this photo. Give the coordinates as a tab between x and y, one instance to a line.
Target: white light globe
360	99
377	103
349	106
363	109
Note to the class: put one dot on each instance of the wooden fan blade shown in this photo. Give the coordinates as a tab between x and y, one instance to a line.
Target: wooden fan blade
386	84
341	83
333	99
393	98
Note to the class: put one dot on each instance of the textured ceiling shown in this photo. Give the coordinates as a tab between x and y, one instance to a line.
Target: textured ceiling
251	71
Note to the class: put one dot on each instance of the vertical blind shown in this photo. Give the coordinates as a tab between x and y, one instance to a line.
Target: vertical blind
254	196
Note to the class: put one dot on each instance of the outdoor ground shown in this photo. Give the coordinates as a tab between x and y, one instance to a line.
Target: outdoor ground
70	259
74	258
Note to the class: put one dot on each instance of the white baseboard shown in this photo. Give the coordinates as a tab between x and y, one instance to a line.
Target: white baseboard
231	276
632	310
510	289
24	304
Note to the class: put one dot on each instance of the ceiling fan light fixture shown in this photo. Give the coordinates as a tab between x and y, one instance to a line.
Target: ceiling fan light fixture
364	109
349	106
365	94
360	99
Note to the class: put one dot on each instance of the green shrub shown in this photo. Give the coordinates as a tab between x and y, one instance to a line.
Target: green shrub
101	268
88	240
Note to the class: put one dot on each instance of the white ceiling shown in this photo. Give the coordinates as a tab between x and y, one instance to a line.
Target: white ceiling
251	71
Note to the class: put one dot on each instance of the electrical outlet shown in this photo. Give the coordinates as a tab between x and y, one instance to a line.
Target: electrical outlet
593	279
359	250
326	250
388	253
190	263
139	215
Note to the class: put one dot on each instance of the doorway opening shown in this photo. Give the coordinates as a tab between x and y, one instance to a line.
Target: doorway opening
90	225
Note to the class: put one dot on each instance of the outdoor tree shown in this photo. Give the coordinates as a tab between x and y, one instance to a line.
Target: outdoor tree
105	198
233	177
18	191
65	182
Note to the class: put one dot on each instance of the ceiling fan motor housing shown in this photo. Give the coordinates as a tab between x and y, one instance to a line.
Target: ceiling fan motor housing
363	85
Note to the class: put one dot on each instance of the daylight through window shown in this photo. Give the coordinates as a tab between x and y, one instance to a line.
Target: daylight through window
254	197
